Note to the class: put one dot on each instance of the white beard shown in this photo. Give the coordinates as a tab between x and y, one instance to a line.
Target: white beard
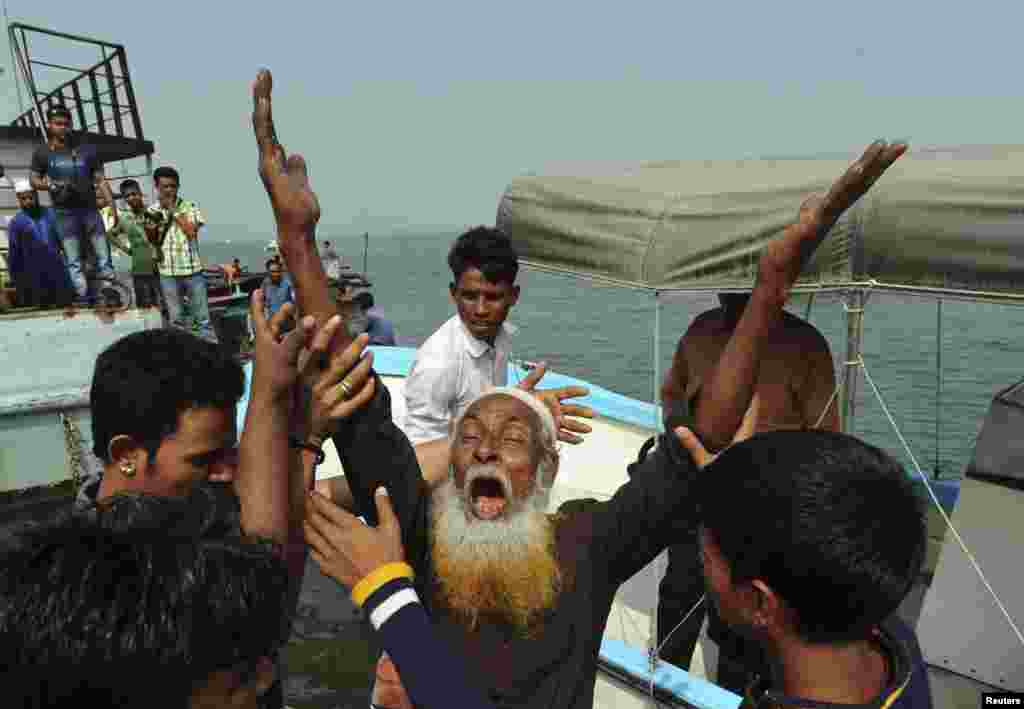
524	523
504	567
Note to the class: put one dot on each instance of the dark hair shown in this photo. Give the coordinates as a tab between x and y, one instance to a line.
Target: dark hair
58	110
166	171
830	523
130	185
146	380
133	603
489	251
271	261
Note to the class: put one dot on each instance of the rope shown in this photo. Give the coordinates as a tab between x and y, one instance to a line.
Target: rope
945	517
656	652
828	406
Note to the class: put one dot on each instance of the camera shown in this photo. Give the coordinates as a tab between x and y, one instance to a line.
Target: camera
154	218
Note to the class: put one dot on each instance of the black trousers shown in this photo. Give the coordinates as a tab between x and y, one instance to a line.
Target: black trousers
147	289
681	588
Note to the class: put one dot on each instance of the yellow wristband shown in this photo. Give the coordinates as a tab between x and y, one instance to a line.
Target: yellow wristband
377	578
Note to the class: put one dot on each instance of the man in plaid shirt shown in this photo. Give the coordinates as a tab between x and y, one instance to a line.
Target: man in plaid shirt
176	237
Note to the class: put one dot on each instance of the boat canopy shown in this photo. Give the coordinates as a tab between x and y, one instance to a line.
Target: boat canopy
943	219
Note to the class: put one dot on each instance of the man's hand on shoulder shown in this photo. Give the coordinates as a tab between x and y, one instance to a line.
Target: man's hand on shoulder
565	414
344	547
701	456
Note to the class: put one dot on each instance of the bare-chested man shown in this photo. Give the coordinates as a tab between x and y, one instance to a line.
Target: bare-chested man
795	385
795	389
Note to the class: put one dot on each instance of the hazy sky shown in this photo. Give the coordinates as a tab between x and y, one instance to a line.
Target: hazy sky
419	114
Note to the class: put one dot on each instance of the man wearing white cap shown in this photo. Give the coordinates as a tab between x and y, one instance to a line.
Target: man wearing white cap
35	259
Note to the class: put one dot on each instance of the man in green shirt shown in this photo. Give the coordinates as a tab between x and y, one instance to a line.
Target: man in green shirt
126	232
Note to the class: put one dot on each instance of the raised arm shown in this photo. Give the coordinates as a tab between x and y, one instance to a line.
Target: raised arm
729	387
296	208
262	483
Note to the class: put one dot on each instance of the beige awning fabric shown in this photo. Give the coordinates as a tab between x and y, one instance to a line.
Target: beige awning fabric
939	218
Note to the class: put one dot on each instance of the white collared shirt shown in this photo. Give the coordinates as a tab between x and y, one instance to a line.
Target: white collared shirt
451	369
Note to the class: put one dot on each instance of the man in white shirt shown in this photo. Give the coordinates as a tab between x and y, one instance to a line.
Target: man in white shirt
469	353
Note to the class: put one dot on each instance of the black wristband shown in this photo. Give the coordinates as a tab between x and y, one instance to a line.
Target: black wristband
320	457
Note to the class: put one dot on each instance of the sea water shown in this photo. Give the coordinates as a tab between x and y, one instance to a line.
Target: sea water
605	335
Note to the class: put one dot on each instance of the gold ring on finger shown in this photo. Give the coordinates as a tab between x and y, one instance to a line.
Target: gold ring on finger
346	389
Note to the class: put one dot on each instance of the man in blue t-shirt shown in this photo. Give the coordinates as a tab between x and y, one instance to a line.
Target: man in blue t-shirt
355	305
71	174
35	261
277	288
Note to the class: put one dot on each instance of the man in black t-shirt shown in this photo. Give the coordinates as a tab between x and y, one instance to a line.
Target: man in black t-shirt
71	174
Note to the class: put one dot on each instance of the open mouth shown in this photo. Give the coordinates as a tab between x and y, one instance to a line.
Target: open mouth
487	498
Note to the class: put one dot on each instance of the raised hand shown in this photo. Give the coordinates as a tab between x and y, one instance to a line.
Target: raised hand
296	207
565	414
345	548
783	258
275	358
338	390
701	456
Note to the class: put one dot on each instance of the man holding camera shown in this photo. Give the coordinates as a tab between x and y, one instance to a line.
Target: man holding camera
172	226
72	174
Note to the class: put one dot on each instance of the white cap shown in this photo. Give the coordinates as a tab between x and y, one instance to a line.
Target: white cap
538	408
22	186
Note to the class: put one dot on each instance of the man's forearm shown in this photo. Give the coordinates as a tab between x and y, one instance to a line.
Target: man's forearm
434	458
301	481
40	183
262	482
309	281
726	394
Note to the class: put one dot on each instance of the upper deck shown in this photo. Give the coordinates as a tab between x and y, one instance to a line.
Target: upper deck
90	77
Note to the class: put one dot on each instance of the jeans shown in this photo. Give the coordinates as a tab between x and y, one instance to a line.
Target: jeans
86	251
194	286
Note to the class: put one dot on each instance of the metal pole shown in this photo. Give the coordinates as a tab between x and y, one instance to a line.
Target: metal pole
938	388
659	571
657	361
14	62
854	319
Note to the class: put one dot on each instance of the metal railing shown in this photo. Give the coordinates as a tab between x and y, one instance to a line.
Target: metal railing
100	96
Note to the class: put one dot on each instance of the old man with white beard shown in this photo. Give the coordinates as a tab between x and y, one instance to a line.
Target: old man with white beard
522	594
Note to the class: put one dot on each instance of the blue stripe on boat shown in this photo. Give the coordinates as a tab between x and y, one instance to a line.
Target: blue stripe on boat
667	677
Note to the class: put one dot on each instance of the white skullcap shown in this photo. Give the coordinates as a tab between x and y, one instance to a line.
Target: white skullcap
22	186
543	413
